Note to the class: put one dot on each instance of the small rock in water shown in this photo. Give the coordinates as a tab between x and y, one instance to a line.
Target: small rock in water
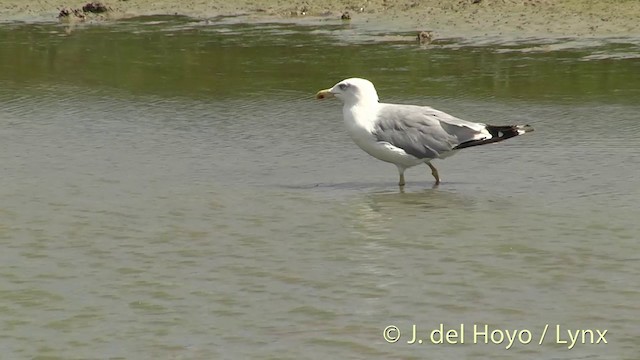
425	37
345	16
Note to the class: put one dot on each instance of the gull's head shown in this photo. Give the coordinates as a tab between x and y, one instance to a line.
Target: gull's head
351	91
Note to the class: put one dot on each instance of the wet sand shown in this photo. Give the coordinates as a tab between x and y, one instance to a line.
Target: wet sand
464	18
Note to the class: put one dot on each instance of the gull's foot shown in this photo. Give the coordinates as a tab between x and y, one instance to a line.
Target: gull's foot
435	174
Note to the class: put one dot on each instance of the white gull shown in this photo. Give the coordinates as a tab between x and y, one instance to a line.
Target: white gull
409	135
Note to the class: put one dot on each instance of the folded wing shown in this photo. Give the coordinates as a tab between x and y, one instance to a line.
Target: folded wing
424	132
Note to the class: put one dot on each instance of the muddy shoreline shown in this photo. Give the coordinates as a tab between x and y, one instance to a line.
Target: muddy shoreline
464	18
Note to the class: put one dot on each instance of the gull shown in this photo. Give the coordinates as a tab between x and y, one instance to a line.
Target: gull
409	135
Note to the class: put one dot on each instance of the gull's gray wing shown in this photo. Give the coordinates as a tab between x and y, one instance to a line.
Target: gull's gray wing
424	132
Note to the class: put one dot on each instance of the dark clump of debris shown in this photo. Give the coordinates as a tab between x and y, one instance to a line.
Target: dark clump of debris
345	16
95	7
71	13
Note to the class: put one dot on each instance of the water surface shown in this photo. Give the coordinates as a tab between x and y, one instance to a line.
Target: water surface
170	189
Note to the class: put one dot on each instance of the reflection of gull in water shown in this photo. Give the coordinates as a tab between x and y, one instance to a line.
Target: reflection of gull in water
383	227
408	204
376	215
409	135
389	218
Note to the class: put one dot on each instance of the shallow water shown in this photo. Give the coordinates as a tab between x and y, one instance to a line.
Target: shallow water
170	189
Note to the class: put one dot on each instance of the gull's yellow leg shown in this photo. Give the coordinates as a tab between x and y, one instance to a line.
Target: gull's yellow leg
434	172
401	173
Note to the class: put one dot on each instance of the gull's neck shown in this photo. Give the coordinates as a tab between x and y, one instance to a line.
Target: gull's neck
361	114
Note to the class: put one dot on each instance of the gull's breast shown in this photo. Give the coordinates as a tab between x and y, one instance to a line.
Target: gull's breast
361	132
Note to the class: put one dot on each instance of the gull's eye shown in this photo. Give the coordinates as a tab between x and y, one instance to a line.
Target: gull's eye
343	86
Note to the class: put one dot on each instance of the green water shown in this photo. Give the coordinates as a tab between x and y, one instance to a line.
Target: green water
171	190
181	57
